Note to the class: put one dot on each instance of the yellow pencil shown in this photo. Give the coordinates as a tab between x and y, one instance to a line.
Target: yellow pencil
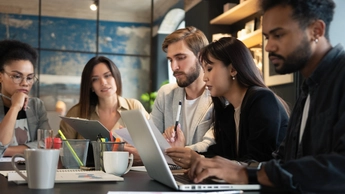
71	149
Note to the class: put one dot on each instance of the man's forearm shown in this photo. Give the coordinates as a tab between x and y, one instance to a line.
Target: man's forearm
263	178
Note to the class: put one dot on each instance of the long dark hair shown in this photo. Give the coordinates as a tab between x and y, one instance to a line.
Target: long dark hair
88	98
233	52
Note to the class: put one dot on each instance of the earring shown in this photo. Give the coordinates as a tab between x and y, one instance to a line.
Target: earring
233	77
316	40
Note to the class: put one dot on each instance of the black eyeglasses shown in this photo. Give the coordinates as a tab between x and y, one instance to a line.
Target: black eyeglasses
17	78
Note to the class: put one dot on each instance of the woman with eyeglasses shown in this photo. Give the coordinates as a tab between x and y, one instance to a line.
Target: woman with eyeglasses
20	116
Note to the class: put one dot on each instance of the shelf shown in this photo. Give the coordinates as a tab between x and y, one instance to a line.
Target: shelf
253	38
237	13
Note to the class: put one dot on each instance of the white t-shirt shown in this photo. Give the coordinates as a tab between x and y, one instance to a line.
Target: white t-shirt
304	117
237	115
189	107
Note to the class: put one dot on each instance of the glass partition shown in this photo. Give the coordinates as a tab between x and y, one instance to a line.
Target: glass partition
68	33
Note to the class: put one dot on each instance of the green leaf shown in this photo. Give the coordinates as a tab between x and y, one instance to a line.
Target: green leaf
145	97
165	82
153	95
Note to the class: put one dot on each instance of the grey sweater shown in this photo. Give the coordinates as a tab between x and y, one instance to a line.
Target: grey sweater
36	117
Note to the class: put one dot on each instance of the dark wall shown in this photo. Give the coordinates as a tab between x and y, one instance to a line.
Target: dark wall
159	62
287	92
201	14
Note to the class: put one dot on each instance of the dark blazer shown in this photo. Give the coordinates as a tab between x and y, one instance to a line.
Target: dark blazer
317	163
262	127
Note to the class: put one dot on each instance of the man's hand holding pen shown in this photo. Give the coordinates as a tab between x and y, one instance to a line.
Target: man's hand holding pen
174	134
175	138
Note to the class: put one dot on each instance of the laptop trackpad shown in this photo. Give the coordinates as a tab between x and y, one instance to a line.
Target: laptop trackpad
218	180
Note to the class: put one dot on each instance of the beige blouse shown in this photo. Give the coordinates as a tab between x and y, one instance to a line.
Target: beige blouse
124	104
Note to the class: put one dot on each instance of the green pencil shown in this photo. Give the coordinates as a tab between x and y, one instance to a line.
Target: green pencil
71	149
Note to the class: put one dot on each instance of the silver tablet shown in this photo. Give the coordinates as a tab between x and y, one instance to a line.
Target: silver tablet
89	129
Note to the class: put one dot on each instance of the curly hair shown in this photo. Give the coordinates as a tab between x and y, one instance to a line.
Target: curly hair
13	50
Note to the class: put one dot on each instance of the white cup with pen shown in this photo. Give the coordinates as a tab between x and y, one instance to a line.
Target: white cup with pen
117	162
114	159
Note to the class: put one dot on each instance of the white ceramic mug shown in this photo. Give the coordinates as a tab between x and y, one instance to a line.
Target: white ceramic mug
117	162
41	166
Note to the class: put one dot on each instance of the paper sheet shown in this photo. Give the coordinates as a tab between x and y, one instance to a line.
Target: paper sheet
124	134
139	168
71	176
8	159
167	192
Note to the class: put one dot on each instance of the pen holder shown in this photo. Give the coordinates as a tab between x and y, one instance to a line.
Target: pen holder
74	153
96	147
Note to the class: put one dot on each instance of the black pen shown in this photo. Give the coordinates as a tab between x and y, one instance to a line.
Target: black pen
178	114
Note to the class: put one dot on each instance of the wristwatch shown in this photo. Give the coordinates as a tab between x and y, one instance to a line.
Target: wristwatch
252	173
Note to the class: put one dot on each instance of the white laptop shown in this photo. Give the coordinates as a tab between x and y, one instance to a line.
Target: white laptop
155	163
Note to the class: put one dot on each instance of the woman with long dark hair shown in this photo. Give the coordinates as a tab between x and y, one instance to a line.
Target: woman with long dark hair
249	119
100	97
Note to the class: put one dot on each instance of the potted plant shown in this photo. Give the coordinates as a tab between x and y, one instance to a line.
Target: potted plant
149	97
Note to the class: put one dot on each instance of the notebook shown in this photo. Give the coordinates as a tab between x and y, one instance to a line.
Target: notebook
155	163
89	129
70	176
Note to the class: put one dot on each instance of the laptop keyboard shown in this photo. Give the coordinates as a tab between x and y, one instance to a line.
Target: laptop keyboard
174	167
183	178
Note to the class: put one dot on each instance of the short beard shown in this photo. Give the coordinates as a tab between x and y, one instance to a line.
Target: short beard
298	59
191	77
